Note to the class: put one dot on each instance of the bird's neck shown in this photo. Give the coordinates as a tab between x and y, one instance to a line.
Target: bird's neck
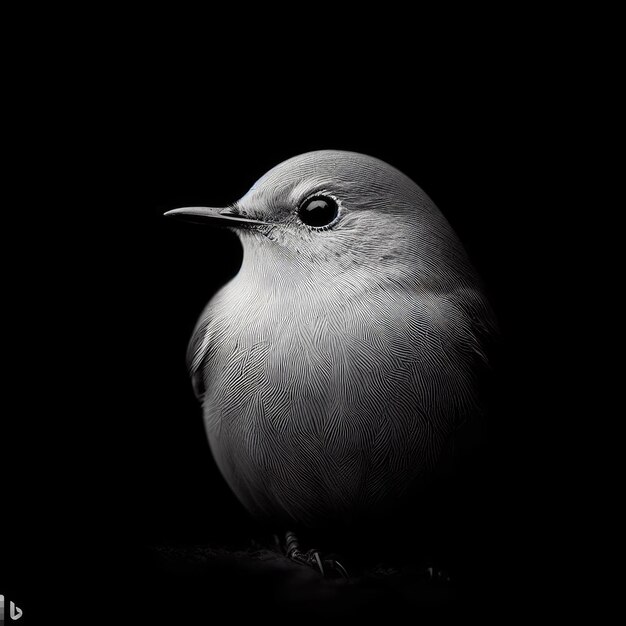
273	271
269	266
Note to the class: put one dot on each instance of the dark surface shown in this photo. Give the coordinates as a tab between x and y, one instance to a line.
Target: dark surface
108	466
276	586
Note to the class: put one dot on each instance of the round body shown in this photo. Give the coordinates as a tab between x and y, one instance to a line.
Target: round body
334	370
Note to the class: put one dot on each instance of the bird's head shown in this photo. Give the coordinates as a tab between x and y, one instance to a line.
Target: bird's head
333	212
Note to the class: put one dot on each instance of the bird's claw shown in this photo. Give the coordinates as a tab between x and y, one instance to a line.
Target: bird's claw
328	568
338	567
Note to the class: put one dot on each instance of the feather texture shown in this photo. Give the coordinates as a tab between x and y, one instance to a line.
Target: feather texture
334	369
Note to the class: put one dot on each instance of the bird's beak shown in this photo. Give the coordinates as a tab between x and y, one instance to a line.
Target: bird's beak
209	215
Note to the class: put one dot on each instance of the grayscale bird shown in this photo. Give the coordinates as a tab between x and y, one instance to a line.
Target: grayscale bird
337	367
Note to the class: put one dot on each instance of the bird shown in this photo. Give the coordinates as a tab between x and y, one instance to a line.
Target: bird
337	368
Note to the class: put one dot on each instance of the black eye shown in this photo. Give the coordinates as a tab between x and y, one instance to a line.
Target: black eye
318	211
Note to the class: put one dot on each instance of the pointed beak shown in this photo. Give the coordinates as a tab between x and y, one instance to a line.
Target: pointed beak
209	215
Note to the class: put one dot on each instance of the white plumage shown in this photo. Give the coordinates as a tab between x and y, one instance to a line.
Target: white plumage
335	368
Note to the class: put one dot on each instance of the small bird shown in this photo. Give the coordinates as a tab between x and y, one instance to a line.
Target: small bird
336	369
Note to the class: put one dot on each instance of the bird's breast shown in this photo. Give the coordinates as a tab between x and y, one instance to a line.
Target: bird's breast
318	407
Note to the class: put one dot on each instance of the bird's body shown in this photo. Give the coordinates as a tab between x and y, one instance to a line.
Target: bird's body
335	368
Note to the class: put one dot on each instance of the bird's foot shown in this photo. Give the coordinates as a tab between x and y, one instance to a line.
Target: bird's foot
327	567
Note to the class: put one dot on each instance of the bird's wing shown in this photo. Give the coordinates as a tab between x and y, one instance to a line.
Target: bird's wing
481	330
472	338
197	351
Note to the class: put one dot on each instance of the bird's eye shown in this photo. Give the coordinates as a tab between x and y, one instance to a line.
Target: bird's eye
318	211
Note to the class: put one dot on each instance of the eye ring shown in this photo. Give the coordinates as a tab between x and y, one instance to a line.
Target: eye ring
319	211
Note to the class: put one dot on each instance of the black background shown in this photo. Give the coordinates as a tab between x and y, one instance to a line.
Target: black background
108	453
